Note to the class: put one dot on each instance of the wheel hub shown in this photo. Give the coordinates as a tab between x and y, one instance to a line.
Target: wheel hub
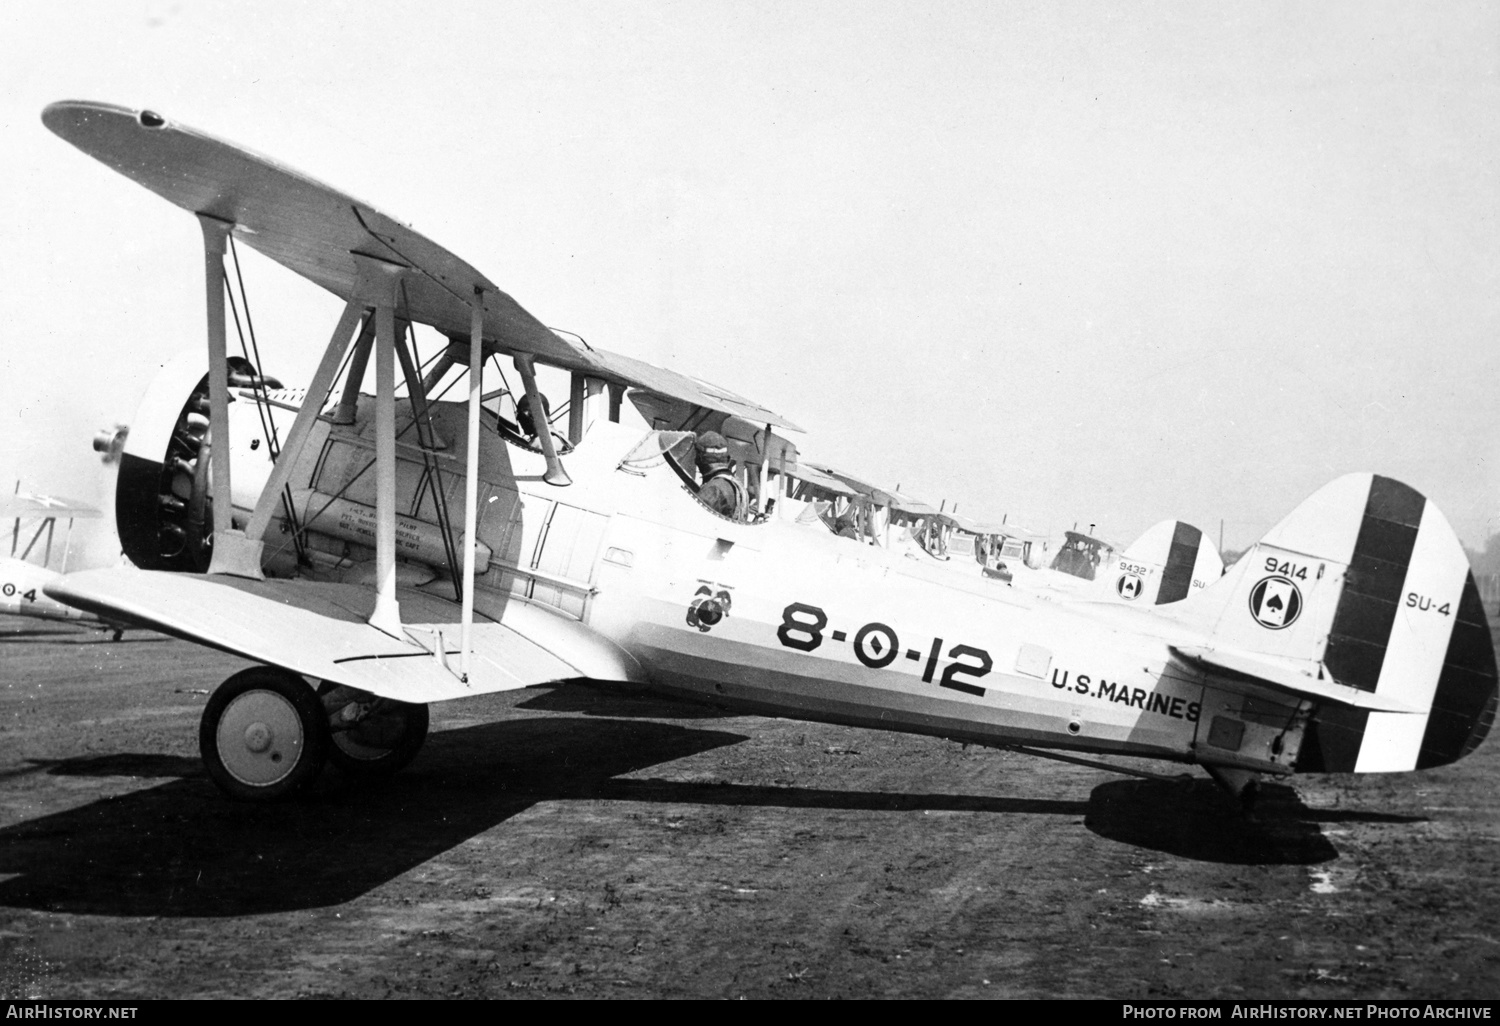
260	738
257	737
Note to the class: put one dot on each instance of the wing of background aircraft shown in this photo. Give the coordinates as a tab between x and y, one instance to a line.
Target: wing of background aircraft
900	514
809	473
912	507
26	505
693	391
875	493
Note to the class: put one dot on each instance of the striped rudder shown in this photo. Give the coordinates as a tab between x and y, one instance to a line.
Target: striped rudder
1180	561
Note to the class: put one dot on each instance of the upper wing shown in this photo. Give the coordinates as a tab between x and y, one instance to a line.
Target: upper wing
295	220
807	472
23	505
912	506
882	496
312	228
320	630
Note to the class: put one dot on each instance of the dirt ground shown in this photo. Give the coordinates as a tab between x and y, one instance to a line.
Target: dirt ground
570	841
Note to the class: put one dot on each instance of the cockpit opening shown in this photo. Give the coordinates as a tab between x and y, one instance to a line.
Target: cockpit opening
1081	556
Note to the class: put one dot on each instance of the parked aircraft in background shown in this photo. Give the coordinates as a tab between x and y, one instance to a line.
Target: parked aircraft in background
1167	564
26	572
383	552
1163	565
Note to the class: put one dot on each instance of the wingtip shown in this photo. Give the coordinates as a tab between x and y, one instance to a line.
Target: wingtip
65	117
56	116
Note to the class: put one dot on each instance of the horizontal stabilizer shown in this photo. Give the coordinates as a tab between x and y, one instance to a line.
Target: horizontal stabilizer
1309	680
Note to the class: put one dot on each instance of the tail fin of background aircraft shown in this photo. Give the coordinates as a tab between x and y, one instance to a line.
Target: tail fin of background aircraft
1361	600
1188	560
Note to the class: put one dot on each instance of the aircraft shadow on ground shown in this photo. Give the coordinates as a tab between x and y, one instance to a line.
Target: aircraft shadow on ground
1197	820
120	764
181	849
609	699
727	794
45	633
85	636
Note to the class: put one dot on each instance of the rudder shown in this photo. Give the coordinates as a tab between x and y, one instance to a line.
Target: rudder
1188	560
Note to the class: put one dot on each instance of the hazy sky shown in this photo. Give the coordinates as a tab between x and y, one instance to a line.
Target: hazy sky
1069	262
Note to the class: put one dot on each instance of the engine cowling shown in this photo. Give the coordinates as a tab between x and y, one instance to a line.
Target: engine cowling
163	502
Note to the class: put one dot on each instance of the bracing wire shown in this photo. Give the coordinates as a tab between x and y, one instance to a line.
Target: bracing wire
434	477
274	442
433	473
262	405
306	525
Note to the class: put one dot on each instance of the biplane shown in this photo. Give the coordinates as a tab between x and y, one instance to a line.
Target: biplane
852	507
384	551
1163	565
26	572
1166	564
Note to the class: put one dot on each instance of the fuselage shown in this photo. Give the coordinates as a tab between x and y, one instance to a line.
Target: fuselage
767	616
21	594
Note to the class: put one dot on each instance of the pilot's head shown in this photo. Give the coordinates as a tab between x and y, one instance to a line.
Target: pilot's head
523	413
713	452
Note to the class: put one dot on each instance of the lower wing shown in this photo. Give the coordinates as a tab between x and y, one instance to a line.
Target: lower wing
320	630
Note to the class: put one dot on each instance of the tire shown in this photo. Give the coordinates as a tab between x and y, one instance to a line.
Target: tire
383	741
263	736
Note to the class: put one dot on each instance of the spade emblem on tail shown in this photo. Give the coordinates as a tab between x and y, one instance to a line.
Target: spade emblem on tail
1275	603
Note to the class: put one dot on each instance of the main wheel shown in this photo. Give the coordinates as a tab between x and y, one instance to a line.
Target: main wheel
264	735
370	736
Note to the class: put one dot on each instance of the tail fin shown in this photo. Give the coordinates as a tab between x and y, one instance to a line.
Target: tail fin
1365	587
1187	559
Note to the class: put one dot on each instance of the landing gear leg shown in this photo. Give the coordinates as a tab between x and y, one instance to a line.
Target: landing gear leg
263	735
371	737
1243	785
